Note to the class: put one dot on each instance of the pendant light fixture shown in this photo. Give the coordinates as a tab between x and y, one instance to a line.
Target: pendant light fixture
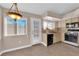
15	14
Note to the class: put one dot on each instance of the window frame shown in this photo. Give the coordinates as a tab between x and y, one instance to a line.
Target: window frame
6	26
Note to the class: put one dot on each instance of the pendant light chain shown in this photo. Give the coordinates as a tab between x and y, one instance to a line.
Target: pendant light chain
14	4
10	8
15	14
16	7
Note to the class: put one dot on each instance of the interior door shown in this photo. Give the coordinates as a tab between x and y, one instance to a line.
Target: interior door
36	30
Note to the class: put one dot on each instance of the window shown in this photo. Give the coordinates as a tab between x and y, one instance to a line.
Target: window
21	26
9	26
12	27
51	25
48	24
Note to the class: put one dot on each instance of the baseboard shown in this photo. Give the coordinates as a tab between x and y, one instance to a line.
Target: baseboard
57	42
70	43
43	43
13	49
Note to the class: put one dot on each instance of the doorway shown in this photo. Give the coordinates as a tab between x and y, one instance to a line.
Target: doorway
36	36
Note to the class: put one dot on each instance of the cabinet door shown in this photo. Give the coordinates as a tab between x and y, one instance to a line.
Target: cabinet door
68	20
75	19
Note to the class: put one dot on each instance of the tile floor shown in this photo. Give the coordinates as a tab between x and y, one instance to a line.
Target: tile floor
59	49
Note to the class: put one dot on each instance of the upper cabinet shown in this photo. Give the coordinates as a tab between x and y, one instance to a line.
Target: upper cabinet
72	24
68	20
76	19
71	20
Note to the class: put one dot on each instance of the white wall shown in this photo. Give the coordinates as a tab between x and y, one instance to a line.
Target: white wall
11	42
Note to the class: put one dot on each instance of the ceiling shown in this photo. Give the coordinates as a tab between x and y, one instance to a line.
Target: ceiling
40	8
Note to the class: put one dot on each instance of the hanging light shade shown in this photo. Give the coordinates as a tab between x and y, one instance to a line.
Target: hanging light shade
14	13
